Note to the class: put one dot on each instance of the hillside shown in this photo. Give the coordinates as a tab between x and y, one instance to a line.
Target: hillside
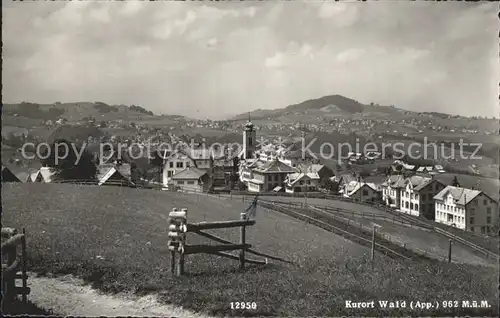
332	104
75	111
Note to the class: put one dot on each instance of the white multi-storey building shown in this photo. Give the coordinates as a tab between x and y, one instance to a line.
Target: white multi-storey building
466	209
417	196
391	190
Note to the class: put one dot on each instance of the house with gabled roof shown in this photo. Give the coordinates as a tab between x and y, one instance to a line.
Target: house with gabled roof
391	190
267	176
417	196
324	172
47	174
8	176
361	191
114	174
466	209
302	182
192	179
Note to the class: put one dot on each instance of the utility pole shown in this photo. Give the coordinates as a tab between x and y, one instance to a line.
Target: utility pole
158	151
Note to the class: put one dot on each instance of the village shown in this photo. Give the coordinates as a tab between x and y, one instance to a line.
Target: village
285	169
250	159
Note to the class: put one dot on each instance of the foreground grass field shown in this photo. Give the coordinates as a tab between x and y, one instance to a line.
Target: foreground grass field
116	239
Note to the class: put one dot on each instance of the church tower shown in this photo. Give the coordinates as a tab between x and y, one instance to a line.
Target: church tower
249	140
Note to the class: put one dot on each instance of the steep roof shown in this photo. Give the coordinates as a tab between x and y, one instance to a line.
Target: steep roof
418	182
189	174
295	177
348	178
311	167
353	187
114	175
461	196
276	166
8	176
46	173
395	181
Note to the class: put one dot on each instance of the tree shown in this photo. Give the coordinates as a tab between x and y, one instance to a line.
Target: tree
156	159
242	186
68	165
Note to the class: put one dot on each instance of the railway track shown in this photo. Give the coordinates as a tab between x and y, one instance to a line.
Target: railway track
348	230
406	220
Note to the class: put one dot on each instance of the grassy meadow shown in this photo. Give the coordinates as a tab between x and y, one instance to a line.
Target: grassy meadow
116	239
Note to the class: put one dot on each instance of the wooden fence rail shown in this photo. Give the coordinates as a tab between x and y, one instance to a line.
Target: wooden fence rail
179	227
332	228
15	261
387	237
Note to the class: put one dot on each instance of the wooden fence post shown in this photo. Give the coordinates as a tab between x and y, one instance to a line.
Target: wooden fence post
172	262
177	237
180	270
242	241
180	264
449	251
10	282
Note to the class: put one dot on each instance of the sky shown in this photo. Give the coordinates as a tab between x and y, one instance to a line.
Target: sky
209	60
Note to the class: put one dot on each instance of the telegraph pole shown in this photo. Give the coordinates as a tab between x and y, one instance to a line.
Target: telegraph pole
158	151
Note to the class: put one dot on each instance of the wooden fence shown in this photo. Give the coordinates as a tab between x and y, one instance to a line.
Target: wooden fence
15	260
179	227
421	223
355	231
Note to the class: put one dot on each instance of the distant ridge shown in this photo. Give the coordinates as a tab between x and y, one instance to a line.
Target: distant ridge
331	103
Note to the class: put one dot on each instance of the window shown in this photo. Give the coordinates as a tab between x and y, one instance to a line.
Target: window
411	205
485	202
471	220
179	164
276	177
301	182
188	164
171	164
406	204
308	181
472	229
416	196
365	192
169	174
180	182
190	182
483	229
488	219
488	210
416	206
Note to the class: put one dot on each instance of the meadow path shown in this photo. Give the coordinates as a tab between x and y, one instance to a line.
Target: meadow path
68	295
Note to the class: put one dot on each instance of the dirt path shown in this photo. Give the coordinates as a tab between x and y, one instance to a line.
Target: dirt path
68	295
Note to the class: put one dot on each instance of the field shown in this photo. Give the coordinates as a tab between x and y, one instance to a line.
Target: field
414	238
116	239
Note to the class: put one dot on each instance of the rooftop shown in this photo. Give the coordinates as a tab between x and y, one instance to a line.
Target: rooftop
190	174
461	196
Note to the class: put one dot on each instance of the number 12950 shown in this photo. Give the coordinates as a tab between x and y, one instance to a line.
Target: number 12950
243	305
